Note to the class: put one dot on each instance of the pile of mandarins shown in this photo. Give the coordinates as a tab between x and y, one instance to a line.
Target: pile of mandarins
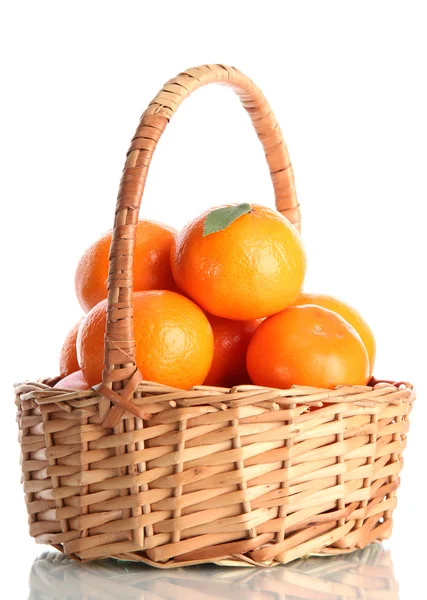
220	303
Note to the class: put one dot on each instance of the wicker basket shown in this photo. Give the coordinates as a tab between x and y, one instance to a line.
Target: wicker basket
364	574
149	473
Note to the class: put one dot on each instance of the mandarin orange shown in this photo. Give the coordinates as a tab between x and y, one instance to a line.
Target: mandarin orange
349	314
68	356
231	343
73	381
307	345
174	340
151	269
251	269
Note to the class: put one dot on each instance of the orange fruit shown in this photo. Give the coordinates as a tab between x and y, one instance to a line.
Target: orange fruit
174	340
74	381
68	356
151	269
231	343
251	269
307	345
348	313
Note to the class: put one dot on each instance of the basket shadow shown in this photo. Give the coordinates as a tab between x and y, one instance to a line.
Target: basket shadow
360	574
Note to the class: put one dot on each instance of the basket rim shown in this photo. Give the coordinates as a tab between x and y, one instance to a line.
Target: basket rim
378	392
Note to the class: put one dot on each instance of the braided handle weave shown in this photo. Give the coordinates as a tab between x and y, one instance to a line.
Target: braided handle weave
121	376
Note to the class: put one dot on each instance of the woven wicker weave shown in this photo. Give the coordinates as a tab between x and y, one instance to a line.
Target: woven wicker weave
141	471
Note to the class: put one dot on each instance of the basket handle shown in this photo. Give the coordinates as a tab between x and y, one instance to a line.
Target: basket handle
120	375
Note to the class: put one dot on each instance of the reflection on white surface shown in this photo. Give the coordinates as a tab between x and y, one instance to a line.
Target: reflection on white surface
364	574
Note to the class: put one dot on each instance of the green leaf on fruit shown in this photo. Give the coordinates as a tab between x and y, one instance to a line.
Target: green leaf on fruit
220	218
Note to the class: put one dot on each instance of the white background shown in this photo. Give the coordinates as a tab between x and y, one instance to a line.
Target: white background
347	83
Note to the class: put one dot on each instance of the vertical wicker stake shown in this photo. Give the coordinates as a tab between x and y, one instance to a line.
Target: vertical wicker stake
370	461
176	536
52	463
396	457
285	484
246	504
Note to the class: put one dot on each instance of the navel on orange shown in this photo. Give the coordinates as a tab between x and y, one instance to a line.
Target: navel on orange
252	268
151	267
174	340
307	345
